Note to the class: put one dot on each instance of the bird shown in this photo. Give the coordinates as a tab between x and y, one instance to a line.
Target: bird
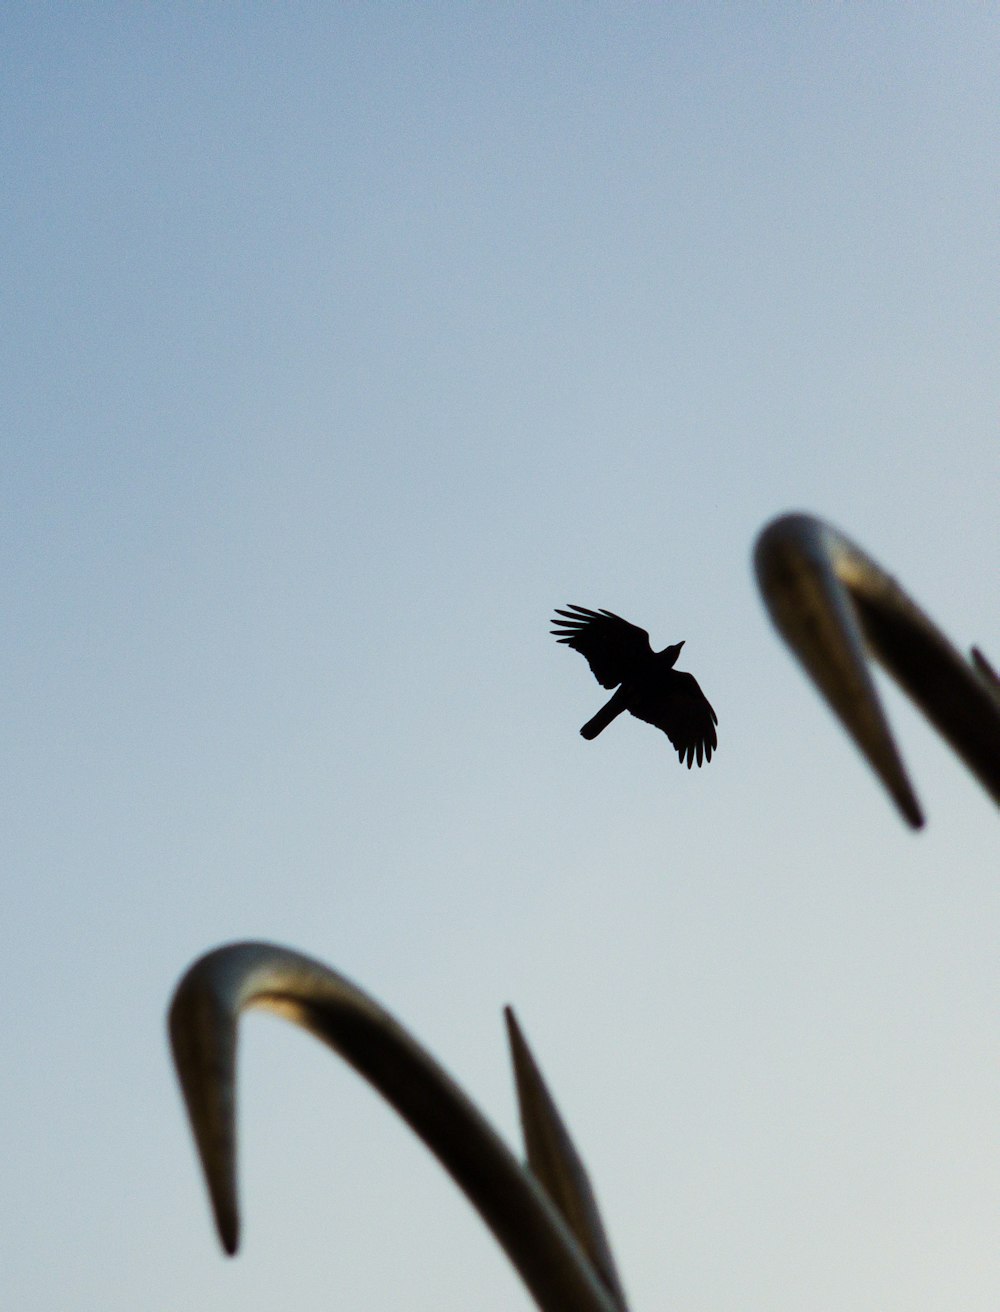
648	687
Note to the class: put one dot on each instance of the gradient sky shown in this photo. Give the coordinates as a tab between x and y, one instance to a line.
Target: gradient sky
345	342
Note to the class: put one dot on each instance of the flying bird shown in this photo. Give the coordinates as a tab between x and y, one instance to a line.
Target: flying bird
648	686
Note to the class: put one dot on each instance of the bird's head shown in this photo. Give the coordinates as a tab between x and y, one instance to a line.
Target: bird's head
670	654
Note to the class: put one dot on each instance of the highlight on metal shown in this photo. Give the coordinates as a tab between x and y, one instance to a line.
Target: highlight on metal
543	1213
836	608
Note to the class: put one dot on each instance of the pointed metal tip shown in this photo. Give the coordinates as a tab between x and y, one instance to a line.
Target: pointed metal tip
520	1053
797	560
910	808
203	1039
987	671
230	1235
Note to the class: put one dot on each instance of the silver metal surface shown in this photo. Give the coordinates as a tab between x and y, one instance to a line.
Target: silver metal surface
547	1238
555	1163
836	607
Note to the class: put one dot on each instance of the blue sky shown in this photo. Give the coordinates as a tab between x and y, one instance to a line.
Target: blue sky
345	343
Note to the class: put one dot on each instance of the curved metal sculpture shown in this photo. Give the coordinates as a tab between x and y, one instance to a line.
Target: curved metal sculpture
543	1214
834	605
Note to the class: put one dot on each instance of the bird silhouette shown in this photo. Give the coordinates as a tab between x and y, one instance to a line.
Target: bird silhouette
648	686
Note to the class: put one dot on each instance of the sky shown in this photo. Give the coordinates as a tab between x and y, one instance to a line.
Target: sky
344	343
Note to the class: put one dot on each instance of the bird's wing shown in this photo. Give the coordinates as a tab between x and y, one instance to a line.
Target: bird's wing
612	646
677	705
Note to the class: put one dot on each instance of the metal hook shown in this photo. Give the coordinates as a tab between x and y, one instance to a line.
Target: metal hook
544	1215
833	604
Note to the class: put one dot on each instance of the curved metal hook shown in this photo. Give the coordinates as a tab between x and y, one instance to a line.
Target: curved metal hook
833	605
544	1216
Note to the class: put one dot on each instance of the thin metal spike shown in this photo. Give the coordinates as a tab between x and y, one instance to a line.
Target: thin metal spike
555	1162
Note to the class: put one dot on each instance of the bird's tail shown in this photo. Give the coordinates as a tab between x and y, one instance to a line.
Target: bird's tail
608	712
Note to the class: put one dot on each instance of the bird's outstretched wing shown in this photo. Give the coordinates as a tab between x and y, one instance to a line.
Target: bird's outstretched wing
611	645
677	705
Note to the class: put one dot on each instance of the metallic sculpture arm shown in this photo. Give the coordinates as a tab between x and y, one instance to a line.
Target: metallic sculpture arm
834	605
555	1163
555	1240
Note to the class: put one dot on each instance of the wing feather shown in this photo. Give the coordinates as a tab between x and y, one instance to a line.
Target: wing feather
612	646
678	706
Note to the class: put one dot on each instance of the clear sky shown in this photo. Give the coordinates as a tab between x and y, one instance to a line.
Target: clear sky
343	343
